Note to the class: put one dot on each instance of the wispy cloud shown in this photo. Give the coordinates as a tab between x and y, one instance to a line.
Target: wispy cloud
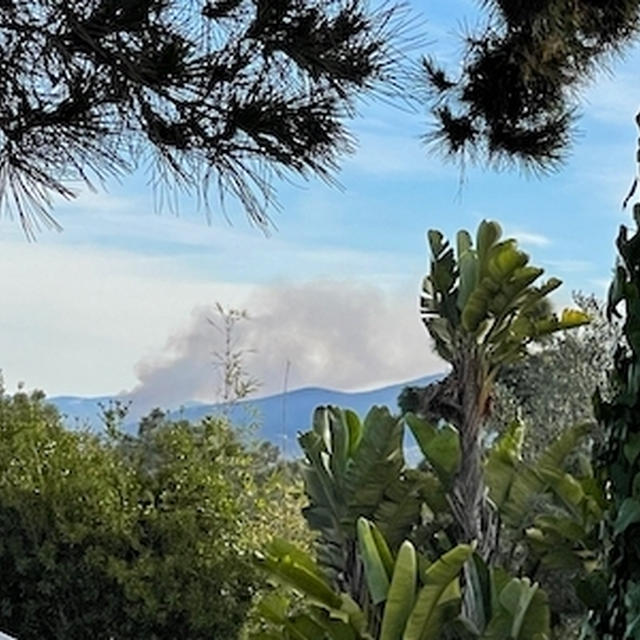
79	319
614	97
529	238
570	266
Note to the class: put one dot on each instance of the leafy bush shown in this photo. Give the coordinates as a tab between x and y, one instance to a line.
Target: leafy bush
144	537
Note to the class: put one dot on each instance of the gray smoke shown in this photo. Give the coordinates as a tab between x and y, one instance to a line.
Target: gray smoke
333	334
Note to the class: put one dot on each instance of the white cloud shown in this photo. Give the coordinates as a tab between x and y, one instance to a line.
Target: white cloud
613	98
75	320
529	238
570	266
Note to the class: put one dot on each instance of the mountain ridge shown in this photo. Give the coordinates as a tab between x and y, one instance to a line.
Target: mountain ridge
278	416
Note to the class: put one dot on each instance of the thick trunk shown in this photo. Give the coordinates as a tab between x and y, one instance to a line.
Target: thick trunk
474	517
459	400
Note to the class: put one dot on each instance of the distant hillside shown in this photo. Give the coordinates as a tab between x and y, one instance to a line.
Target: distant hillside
280	416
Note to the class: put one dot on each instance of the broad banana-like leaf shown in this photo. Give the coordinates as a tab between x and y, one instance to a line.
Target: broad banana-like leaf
565	487
628	514
504	258
401	595
437	243
280	548
488	234
463	243
376	463
521	612
475	309
570	319
273	608
403	501
443	274
326	505
487	294
298	570
383	549
374	566
349	466
440	588
310	624
502	462
559	543
533	480
439	445
468	266
328	616
302	626
476	606
354	426
555	455
340	444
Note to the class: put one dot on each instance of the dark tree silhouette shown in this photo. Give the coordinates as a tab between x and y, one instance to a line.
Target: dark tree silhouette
516	96
210	93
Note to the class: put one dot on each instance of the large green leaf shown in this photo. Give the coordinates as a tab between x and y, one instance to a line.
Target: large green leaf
296	569
468	265
376	463
402	592
440	587
476	611
502	462
348	468
488	234
521	612
463	243
534	480
374	566
403	501
628	514
439	445
504	258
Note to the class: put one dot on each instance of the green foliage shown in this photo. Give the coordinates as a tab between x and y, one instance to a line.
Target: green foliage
439	445
420	600
416	605
214	94
533	390
329	614
483	310
395	542
618	614
145	537
355	469
515	96
411	589
485	296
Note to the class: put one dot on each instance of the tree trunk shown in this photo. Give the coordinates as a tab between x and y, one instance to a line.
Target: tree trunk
459	400
472	512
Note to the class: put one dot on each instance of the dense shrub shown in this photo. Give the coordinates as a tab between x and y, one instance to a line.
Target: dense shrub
145	537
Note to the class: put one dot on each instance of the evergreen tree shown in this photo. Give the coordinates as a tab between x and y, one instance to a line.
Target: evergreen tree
515	97
220	93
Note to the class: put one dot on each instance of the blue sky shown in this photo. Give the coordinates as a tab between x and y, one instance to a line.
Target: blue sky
119	300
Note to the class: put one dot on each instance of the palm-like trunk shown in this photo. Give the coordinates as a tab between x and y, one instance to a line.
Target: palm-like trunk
466	391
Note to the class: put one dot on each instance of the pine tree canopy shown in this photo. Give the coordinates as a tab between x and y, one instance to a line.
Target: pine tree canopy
515	97
221	94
